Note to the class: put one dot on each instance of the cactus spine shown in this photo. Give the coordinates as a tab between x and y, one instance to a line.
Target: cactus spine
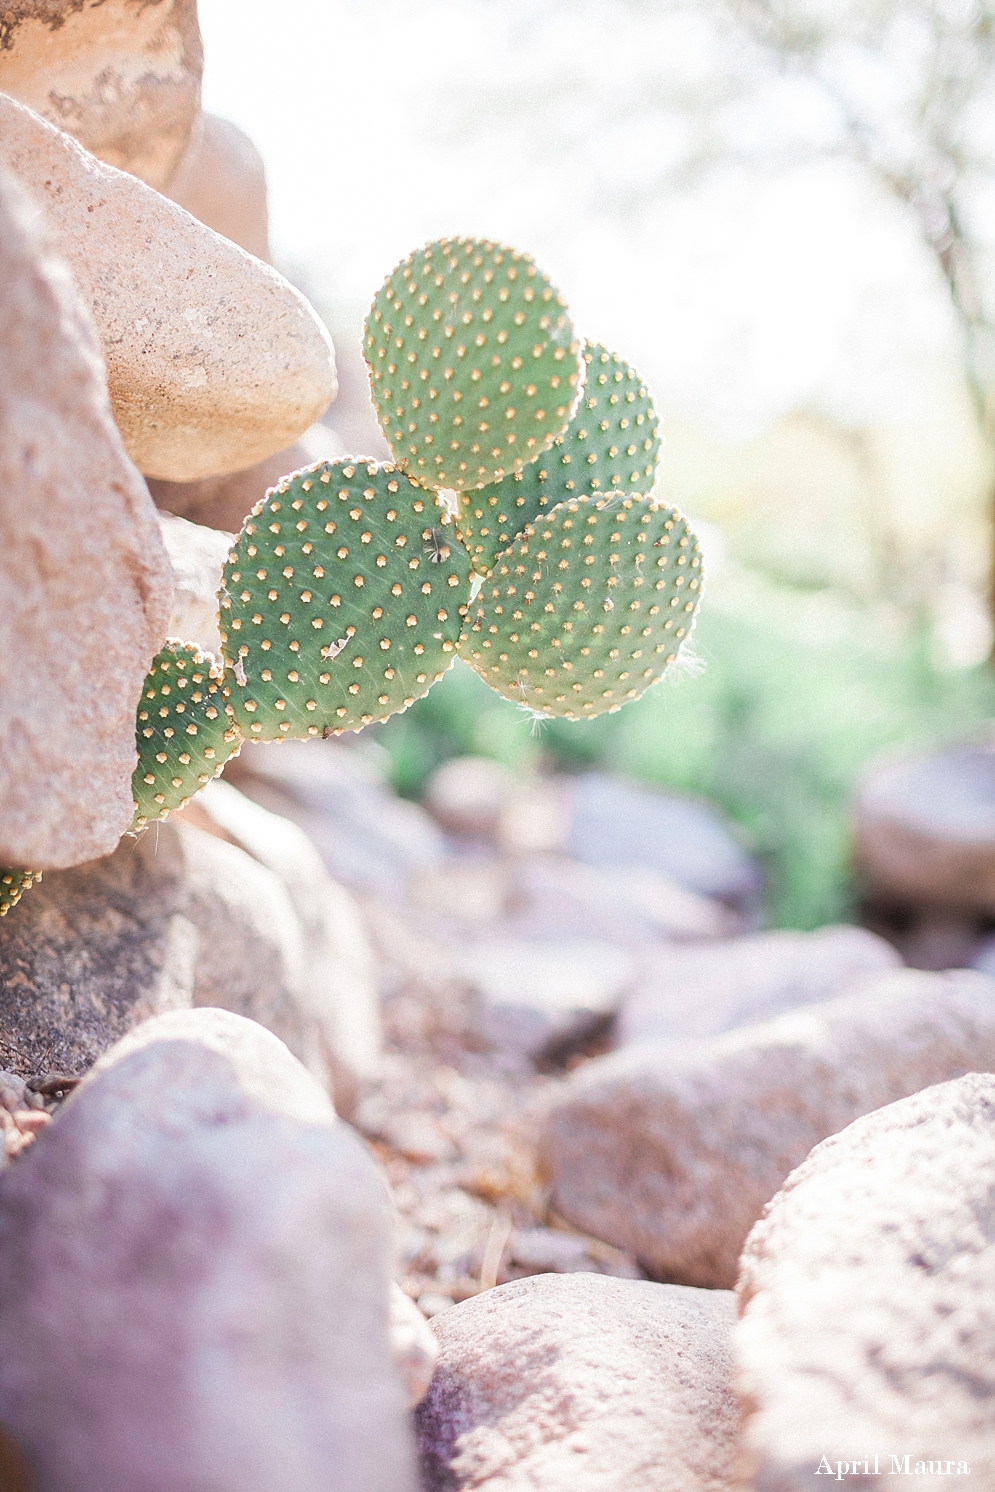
348	592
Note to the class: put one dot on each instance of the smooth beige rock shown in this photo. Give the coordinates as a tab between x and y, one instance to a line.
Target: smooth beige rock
580	1383
867	1295
214	361
197	555
84	577
221	180
122	76
670	1150
699	991
412	1344
223	502
196	1262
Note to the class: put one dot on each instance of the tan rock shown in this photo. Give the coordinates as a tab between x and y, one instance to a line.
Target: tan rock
699	991
196	1257
83	570
867	1295
578	1381
670	1150
221	180
222	502
197	555
214	361
123	78
468	794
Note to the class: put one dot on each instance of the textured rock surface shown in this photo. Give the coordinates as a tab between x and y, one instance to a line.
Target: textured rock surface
214	361
197	555
576	1381
614	823
335	999
196	1260
867	1295
123	78
83	571
177	918
221	180
701	991
671	1150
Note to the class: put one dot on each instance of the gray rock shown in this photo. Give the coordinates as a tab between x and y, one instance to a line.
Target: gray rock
183	918
83	571
534	997
367	837
671	1150
196	1260
576	1381
337	995
703	990
867	1295
617	823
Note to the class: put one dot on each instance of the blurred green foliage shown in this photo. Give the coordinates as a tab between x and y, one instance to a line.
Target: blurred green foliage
795	693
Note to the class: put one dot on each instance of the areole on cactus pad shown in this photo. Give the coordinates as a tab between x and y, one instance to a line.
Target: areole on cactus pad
515	526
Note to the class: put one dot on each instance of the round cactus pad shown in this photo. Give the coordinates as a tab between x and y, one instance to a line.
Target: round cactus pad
588	607
474	367
612	444
183	734
342	601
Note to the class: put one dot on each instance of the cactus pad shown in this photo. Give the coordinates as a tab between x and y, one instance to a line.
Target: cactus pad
474	367
13	884
184	736
612	444
588	607
342	602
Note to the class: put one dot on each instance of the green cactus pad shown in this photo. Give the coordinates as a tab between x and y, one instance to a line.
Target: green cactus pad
13	884
342	601
474	367
183	733
612	444
588	607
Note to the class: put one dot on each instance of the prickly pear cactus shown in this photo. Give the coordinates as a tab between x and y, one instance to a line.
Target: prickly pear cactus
588	607
13	884
342	603
184	736
611	445
474	366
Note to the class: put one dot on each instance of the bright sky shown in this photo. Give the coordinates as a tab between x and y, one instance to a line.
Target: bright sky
387	122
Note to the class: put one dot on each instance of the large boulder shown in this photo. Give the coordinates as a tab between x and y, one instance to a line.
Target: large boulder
575	1381
221	180
214	361
670	1150
85	577
866	1347
124	79
196	1260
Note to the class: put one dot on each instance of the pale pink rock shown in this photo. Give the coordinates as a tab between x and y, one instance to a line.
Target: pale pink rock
670	1150
221	180
196	1260
867	1294
214	361
84	576
412	1345
699	991
123	78
581	1383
